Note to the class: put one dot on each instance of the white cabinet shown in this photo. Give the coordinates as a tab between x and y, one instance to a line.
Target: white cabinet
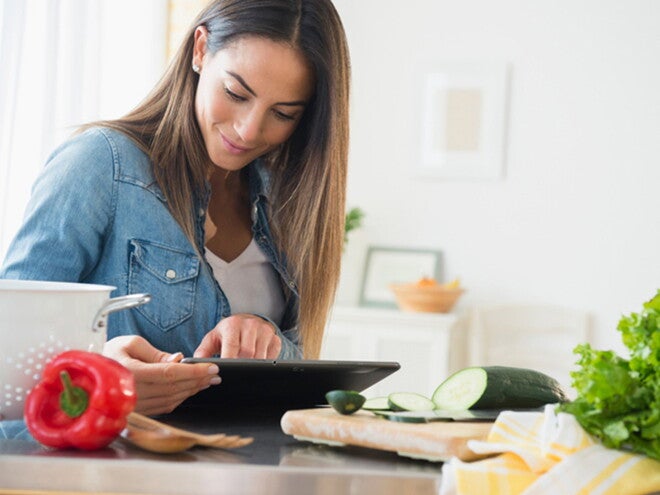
427	345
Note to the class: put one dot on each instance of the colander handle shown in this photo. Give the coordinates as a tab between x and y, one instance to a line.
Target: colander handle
117	304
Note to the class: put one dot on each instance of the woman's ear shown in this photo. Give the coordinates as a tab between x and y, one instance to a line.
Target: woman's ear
199	47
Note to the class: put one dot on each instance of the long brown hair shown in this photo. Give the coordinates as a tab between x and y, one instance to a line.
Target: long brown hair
308	172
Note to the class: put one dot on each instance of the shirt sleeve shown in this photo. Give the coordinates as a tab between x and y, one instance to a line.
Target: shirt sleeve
68	214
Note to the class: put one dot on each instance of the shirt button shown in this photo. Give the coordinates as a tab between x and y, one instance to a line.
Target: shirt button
292	284
254	213
170	274
201	212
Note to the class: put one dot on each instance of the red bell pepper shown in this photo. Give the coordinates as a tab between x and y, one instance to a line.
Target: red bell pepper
82	401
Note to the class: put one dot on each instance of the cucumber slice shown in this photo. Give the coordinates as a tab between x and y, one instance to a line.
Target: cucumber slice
397	417
461	390
345	401
409	401
376	404
382	413
441	415
497	387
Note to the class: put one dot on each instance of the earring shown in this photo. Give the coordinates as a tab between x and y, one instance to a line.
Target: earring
195	68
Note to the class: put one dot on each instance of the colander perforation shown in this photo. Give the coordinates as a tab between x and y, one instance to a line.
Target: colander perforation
30	363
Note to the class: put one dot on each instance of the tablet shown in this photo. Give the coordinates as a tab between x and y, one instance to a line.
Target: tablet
285	384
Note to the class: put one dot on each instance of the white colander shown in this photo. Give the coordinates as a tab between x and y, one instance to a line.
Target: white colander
41	319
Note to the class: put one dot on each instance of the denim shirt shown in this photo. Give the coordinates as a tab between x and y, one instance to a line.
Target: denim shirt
97	216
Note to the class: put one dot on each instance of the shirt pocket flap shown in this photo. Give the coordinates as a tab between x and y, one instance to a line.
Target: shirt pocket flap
169	275
170	266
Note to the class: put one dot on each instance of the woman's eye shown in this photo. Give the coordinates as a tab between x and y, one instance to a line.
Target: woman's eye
284	116
233	95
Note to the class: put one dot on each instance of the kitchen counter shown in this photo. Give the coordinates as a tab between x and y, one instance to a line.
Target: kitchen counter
274	463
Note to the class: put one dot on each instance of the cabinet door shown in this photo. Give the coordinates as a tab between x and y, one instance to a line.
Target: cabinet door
420	346
422	355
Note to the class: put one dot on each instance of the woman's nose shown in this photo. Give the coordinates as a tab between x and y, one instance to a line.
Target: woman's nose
249	125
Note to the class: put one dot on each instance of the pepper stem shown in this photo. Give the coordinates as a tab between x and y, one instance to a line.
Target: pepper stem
73	399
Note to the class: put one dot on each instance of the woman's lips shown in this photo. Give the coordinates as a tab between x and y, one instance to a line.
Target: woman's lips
233	148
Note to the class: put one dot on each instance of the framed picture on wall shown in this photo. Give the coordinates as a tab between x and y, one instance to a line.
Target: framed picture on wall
389	265
462	120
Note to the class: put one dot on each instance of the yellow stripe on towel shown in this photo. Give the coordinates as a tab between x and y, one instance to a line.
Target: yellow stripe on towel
506	473
645	471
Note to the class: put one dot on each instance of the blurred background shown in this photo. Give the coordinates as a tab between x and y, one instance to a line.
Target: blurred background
568	216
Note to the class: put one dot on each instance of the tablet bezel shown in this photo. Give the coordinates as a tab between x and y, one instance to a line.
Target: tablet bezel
285	384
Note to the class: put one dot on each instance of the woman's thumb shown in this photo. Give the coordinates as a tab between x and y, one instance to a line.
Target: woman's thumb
171	358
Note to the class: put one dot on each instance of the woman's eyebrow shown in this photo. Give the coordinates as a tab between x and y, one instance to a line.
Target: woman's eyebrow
242	82
252	92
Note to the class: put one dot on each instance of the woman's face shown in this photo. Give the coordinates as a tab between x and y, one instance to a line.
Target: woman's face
250	97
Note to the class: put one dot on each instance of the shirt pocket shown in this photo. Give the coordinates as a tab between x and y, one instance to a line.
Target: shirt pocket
169	275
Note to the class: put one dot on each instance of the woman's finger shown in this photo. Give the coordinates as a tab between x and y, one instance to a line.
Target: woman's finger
248	338
126	347
231	340
171	373
274	348
266	340
146	390
210	345
164	397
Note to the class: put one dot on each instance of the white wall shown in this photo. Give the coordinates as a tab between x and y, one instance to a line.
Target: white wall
133	50
573	221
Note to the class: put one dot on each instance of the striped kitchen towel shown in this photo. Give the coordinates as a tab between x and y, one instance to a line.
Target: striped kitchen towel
544	453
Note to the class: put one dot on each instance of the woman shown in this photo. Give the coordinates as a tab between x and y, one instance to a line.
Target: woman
222	195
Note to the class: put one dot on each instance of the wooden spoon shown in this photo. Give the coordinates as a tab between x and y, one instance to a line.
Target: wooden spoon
155	436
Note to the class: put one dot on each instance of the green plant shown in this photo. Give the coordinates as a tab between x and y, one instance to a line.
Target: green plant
353	221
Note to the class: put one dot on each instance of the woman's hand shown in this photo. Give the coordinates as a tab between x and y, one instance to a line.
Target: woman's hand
162	382
241	336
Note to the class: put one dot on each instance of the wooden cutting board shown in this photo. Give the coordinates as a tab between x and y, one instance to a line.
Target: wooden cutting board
437	441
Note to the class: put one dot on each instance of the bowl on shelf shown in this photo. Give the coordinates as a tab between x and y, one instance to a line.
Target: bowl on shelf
426	297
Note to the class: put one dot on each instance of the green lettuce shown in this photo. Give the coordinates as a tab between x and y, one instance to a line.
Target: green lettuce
618	400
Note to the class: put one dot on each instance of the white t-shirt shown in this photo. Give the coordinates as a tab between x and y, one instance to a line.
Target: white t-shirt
250	283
